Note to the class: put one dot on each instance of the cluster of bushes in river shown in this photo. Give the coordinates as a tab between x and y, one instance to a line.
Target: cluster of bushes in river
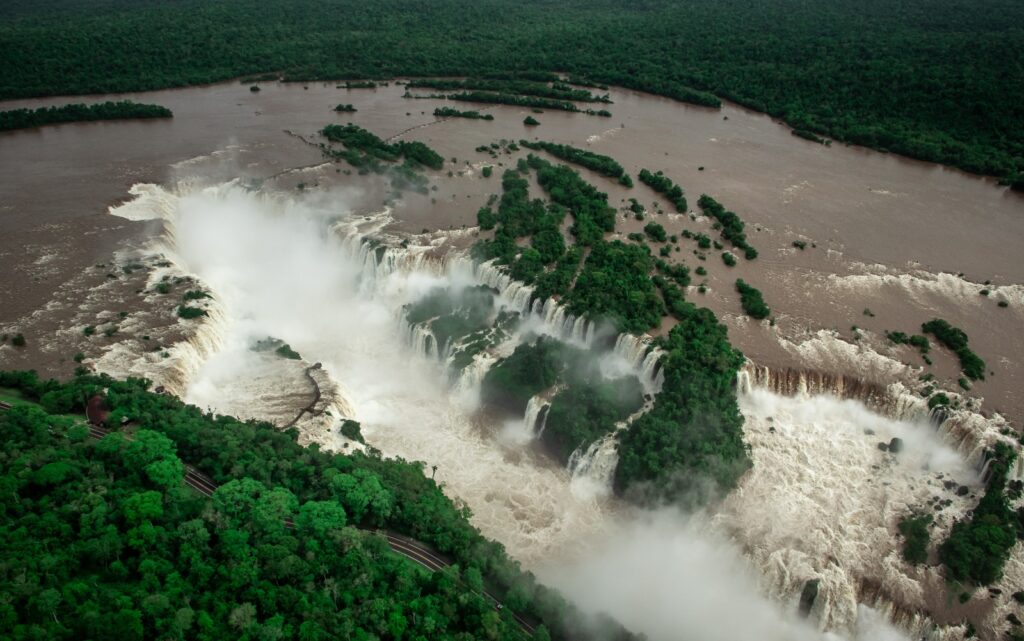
851	56
363	148
448	112
554	90
131	553
663	185
956	340
513	99
78	112
752	301
603	165
732	225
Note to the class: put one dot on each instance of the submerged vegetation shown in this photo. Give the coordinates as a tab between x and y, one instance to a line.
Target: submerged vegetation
663	185
78	112
603	165
522	86
732	226
956	340
363	148
105	540
752	301
448	112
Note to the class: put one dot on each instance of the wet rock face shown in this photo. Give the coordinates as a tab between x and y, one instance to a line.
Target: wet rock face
807	597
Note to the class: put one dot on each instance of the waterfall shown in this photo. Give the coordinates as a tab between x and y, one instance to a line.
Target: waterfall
542	419
969	432
420	338
642	357
532	416
591	471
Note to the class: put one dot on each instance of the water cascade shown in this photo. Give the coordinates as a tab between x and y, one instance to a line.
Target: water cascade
335	299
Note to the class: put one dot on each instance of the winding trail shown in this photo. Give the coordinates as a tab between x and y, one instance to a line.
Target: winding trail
399	544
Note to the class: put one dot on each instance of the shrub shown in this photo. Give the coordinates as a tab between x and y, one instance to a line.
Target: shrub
914	529
285	351
487	171
956	340
939	400
752	301
728	259
351	430
531	121
186	312
663	185
18	340
656	232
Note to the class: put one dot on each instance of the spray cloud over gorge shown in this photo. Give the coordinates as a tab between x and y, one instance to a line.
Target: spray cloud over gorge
300	269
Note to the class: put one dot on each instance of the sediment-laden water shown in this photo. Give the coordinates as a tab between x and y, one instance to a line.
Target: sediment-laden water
820	503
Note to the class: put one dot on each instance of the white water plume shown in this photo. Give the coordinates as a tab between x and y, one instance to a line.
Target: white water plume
299	270
673	577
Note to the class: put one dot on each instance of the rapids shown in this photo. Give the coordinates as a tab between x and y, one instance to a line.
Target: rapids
821	501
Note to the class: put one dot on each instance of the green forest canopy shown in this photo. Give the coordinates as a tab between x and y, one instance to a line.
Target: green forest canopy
100	539
940	80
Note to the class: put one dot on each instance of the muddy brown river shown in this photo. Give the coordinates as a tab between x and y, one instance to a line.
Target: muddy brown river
889	243
906	240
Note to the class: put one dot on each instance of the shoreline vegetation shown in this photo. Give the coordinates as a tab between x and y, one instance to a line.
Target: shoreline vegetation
77	112
852	56
280	550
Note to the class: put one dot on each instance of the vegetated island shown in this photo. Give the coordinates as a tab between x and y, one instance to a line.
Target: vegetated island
448	112
78	112
693	431
603	165
368	153
105	537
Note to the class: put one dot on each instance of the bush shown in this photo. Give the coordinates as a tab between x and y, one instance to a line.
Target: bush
956	340
656	232
914	529
596	162
752	301
663	185
351	430
531	121
18	340
732	226
728	259
487	171
188	313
